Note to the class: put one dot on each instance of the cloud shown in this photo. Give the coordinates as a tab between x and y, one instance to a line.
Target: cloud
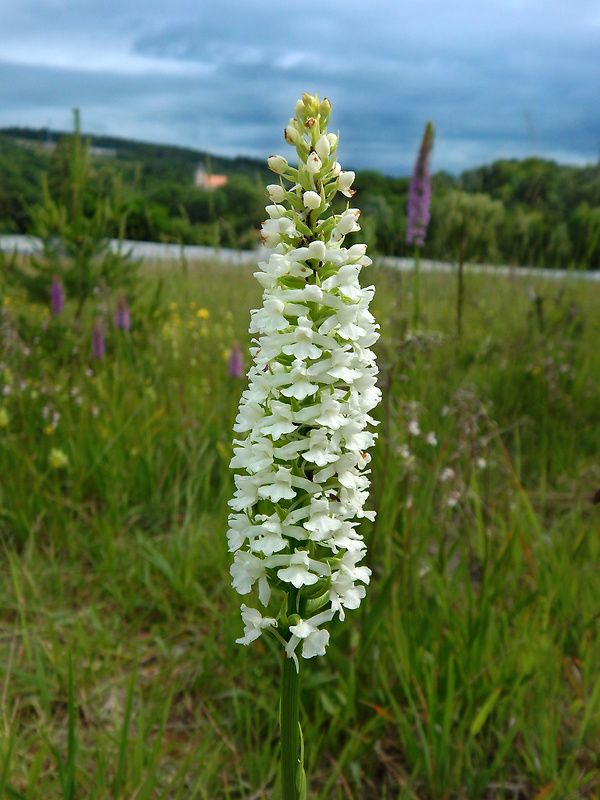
500	78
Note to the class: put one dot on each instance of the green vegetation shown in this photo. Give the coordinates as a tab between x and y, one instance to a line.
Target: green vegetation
79	212
470	670
154	185
551	213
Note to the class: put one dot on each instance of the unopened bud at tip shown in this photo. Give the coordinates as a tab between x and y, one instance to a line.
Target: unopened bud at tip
325	107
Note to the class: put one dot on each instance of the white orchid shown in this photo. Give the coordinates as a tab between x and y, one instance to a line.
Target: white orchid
301	457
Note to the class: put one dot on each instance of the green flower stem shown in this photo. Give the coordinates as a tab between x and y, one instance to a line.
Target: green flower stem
416	313
289	722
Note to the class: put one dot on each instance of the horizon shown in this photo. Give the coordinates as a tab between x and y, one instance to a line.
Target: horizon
263	162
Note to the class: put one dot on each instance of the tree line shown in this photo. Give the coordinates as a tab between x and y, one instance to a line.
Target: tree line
523	212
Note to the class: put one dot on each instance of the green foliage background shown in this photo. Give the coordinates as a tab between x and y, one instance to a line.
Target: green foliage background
551	213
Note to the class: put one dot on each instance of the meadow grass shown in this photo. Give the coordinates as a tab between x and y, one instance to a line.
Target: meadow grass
470	670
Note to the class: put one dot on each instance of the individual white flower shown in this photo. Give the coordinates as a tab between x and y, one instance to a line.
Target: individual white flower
314	641
254	624
345	181
298	572
447	474
453	499
267	537
246	570
300	386
278	422
348	222
431	439
322	450
345	593
413	428
302	427
277	486
239	526
311	200
317	250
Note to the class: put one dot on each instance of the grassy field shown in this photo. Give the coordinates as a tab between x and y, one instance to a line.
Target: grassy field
470	670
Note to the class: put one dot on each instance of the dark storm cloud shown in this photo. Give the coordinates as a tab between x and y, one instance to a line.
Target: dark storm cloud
498	79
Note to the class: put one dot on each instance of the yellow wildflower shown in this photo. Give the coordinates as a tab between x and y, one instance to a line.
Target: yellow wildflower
58	459
173	306
202	313
49	430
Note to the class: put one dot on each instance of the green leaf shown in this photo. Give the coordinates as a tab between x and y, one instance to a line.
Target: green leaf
484	712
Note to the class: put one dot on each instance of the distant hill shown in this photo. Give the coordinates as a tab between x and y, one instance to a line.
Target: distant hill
167	161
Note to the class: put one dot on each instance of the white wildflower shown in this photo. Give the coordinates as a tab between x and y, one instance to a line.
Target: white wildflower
311	200
413	428
254	624
453	499
345	181
314	641
447	474
301	482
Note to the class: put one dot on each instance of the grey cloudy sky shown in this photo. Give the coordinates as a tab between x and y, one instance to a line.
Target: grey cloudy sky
498	78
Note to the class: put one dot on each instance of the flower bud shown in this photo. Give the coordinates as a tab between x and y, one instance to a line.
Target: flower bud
277	164
276	192
310	104
325	107
323	148
311	200
313	164
333	140
291	133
